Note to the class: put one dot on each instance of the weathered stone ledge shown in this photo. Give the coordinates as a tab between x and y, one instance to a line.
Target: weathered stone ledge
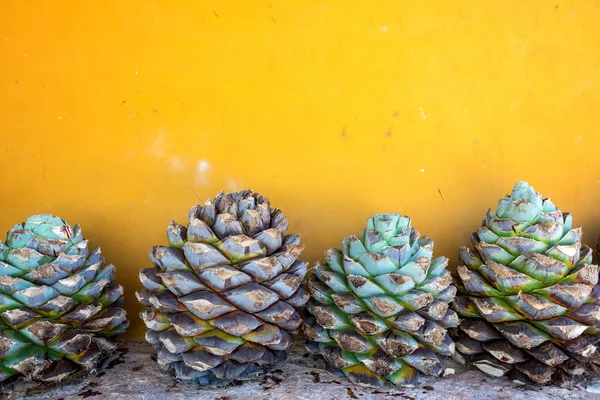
133	375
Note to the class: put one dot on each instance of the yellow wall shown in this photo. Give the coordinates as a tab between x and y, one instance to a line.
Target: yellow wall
120	115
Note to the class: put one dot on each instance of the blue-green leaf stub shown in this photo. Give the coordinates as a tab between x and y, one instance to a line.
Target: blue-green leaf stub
379	309
49	279
527	275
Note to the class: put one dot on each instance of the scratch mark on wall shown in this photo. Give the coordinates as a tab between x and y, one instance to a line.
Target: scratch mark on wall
442	196
43	167
422	113
195	194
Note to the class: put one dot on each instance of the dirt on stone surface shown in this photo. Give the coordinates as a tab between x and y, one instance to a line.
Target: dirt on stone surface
136	376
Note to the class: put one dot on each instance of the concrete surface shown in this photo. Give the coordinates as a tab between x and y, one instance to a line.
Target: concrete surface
133	375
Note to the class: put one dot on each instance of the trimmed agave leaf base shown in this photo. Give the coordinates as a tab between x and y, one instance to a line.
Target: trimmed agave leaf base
379	307
62	371
565	374
58	303
406	376
223	300
231	374
300	376
529	295
227	373
360	375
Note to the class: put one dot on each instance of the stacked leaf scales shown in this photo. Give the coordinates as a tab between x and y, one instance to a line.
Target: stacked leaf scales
529	294
57	301
380	305
223	297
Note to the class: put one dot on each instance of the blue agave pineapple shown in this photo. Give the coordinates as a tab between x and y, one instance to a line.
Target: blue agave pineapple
223	298
529	294
58	302
379	308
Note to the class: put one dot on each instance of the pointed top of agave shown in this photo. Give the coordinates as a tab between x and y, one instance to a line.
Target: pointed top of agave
524	204
389	235
46	234
48	226
235	203
378	294
388	224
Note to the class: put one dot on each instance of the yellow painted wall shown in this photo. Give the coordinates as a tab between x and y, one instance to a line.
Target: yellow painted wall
120	115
